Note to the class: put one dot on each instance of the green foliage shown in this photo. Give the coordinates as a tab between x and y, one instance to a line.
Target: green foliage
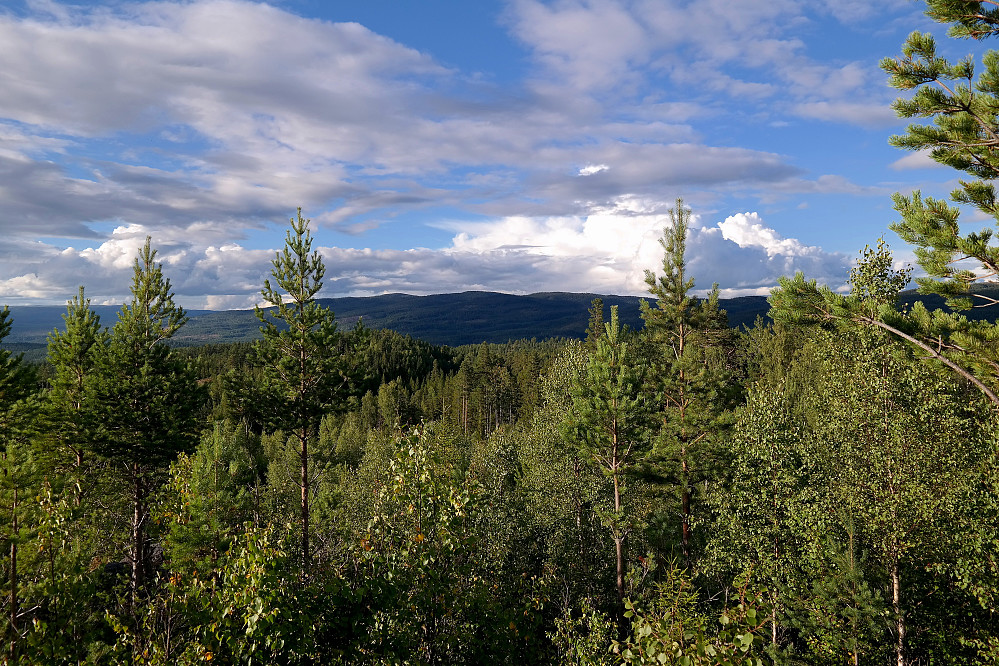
215	492
843	611
610	413
875	282
303	378
304	375
964	135
595	326
73	355
16	379
610	421
965	347
971	18
433	600
668	630
584	639
852	497
690	351
146	399
249	609
66	622
896	442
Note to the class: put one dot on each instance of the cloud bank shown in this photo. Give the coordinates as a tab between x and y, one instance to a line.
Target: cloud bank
604	253
202	123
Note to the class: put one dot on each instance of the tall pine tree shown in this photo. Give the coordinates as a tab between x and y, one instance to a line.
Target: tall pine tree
304	372
18	477
147	399
72	353
688	343
610	422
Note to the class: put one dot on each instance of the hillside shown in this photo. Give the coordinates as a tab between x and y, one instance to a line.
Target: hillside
447	319
451	319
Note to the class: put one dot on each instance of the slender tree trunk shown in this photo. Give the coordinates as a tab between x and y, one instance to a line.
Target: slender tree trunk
256	503
306	557
138	532
578	501
13	581
685	507
853	621
776	532
619	544
619	551
896	602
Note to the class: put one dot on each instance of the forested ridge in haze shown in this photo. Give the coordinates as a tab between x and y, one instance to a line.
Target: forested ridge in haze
820	489
444	319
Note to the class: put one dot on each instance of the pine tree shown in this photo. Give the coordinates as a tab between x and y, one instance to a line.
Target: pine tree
609	422
15	377
595	326
688	342
146	399
18	476
72	354
964	135
304	373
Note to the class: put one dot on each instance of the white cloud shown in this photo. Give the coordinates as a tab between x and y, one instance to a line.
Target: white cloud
592	44
918	160
606	252
853	11
752	50
878	114
748	230
232	110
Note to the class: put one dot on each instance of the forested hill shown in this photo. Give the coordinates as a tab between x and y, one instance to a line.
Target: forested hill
470	317
450	319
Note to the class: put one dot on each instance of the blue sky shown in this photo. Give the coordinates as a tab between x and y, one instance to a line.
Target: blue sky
442	146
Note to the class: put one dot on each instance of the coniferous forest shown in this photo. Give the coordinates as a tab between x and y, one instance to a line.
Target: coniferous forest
819	489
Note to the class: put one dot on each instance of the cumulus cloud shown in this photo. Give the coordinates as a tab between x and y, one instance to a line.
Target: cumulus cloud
604	252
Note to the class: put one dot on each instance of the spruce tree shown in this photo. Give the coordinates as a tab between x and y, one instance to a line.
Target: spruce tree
304	373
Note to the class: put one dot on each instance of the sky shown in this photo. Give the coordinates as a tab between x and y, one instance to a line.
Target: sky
441	146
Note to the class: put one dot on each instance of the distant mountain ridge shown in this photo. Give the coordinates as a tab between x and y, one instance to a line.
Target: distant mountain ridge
464	318
469	317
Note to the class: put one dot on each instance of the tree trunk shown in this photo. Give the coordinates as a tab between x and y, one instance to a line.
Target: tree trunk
13	582
619	545
306	557
896	602
578	500
685	509
138	532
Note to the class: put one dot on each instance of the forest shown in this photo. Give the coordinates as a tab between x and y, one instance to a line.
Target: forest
822	488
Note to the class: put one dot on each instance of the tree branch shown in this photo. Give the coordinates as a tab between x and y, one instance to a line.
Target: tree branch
935	354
